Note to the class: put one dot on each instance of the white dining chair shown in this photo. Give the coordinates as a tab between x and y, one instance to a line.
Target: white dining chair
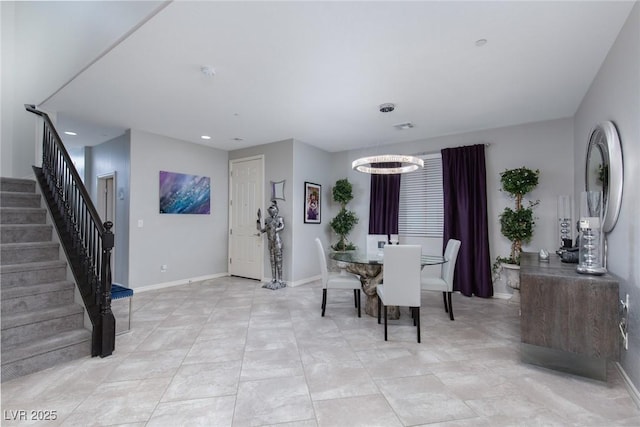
444	283
333	280
400	281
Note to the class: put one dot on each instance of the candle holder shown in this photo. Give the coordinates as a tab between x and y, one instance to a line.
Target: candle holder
564	221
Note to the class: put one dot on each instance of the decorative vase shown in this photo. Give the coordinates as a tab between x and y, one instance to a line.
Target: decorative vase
512	278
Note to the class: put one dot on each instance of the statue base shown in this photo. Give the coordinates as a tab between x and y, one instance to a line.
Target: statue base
275	284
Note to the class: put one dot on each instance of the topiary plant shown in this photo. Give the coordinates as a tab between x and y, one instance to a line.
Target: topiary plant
517	224
344	222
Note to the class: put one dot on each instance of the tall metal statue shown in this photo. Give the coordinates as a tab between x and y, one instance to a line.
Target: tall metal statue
273	224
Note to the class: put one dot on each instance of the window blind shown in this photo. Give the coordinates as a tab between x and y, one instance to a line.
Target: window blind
421	211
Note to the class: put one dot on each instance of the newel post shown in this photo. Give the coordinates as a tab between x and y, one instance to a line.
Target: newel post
108	321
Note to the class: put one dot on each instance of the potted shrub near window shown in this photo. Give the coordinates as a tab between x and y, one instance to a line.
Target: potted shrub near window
516	224
344	222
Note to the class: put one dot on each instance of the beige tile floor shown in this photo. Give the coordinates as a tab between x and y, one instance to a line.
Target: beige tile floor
227	352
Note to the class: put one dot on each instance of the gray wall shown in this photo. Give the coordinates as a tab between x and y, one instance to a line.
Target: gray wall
278	166
310	165
113	157
547	146
192	246
615	95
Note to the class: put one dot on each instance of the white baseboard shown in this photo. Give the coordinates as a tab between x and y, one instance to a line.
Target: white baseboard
633	391
502	296
305	281
177	282
297	282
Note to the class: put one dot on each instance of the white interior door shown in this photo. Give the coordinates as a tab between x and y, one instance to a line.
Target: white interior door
245	241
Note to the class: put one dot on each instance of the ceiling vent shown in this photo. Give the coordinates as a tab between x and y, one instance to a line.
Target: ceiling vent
208	70
403	126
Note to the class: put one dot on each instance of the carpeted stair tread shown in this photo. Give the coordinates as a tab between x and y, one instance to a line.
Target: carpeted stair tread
30	317
12	215
19	199
18	233
29	290
27	252
32	273
13	268
30	349
23	226
20	245
18	185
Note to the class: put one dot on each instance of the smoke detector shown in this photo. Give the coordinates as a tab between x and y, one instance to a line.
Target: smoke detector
387	107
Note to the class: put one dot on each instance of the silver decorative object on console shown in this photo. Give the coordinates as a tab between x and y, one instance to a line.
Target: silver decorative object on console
564	221
591	249
273	224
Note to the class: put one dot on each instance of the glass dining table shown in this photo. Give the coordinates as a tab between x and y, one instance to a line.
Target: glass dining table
369	267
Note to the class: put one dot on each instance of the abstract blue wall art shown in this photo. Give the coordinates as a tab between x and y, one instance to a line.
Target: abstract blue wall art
184	194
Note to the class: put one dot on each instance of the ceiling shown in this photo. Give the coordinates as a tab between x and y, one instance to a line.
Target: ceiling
318	71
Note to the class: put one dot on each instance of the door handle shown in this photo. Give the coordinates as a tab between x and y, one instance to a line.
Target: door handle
257	234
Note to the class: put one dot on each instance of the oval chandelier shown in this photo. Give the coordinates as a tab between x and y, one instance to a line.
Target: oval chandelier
374	164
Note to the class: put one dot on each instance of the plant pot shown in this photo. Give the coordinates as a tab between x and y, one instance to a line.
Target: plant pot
511	274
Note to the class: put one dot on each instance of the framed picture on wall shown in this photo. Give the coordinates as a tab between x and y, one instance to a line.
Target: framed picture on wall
312	204
184	194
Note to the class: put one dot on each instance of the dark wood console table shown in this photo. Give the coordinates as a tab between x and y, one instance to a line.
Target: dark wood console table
569	321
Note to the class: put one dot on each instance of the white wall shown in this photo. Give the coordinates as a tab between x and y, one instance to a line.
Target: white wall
547	146
113	156
192	246
44	44
615	95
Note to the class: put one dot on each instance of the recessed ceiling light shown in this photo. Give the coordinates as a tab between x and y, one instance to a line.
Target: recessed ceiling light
481	42
70	133
238	139
205	137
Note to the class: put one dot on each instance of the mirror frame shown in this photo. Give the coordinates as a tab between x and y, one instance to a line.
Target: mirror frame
604	139
277	190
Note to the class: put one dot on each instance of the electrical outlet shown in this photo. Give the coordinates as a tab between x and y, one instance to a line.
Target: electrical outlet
163	268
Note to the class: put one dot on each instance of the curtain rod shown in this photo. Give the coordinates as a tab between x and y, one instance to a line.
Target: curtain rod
428	153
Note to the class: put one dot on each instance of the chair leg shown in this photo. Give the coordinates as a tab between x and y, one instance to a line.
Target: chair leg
324	300
450	306
417	321
355	297
444	297
379	305
358	303
385	322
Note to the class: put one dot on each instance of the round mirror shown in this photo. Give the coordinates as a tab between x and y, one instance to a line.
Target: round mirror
604	173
